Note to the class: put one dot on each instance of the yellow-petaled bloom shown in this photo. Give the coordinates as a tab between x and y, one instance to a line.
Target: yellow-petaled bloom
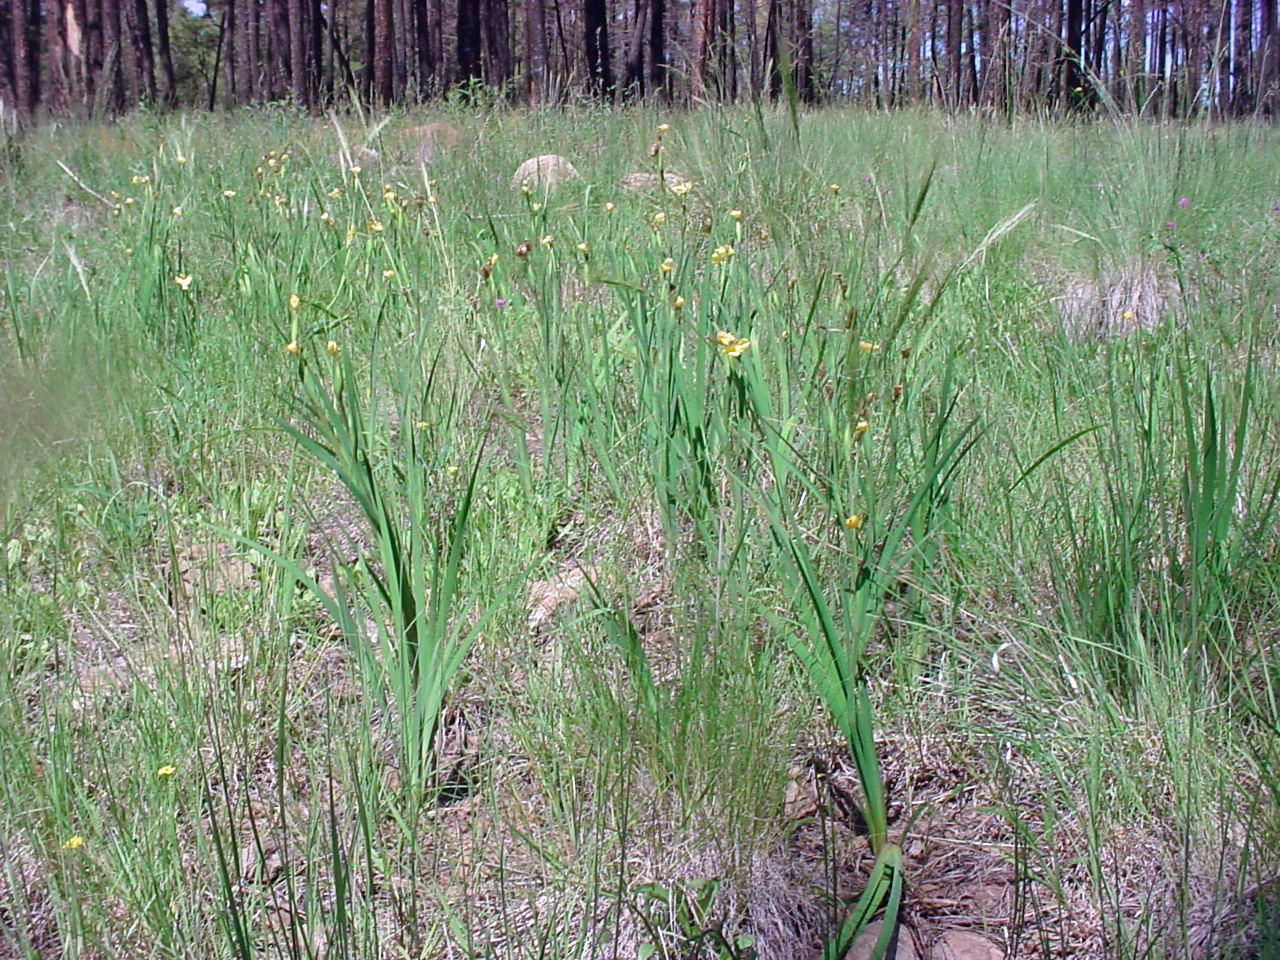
608	207
389	195
272	163
582	248
854	521
860	430
115	194
325	217
376	226
737	348
735	214
388	274
680	189
833	187
659	218
666	265
1127	315
128	201
295	302
292	346
177	211
73	843
284	156
493	258
547	240
451	468
331	348
663	128
335	193
179	159
724	338
678	303
722	253
354	169
141	179
184	280
228	194
166	771
866	346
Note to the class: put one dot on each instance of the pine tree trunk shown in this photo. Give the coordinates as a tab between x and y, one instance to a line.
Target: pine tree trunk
595	23
535	50
468	41
658	46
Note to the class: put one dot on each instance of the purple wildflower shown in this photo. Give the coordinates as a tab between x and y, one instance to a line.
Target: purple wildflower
502	302
1183	201
1171	224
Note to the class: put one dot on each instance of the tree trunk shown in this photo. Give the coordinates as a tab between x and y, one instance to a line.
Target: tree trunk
535	50
802	47
468	41
497	43
595	23
658	46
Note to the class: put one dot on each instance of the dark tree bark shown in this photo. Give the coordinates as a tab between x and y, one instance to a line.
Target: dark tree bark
595	22
22	52
658	46
166	53
497	43
633	77
383	50
535	50
468	41
802	45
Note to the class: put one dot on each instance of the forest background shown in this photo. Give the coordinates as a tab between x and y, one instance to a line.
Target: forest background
1216	58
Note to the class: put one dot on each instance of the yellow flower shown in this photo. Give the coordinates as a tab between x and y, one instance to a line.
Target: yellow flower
128	201
292	346
666	265
854	521
177	211
325	217
582	248
663	128
833	187
735	214
388	274
295	302
737	348
166	771
376	226
722	253
228	194
547	240
389	195
179	159
74	843
141	179
184	280
608	207
1127	315
860	430
724	338
335	193
659	218
866	346
680	189
493	259
451	468
331	348
284	156
678	303
354	169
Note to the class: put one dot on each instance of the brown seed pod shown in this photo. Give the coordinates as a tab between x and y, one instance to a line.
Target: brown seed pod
524	248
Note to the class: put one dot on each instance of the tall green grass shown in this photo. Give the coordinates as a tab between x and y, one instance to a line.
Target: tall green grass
854	450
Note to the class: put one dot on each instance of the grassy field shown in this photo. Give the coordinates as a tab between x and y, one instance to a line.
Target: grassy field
879	521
